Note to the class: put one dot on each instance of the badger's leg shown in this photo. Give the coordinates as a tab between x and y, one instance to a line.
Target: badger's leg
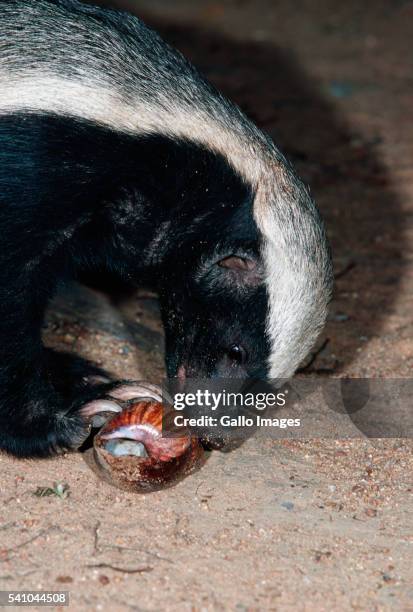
50	404
41	391
48	400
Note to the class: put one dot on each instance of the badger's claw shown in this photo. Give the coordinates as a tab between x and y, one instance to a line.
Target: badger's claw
97	412
137	390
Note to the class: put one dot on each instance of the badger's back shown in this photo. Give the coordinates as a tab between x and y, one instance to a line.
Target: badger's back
103	65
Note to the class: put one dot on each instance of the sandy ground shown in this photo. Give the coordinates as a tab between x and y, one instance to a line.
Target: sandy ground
275	525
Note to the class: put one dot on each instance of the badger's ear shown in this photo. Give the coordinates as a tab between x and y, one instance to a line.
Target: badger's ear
245	270
241	264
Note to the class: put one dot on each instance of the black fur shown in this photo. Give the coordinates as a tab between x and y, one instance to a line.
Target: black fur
78	197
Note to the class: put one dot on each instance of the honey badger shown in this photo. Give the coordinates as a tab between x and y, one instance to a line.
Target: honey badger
116	154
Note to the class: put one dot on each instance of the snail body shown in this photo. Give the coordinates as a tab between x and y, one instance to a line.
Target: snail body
132	453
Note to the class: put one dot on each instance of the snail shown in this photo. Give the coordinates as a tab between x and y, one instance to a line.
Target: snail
130	451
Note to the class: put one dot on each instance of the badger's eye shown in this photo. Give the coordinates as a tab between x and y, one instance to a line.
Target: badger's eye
237	354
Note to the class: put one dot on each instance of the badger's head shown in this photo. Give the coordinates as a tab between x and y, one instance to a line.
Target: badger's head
246	268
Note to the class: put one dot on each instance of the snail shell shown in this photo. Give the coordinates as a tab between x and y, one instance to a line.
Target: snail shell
131	453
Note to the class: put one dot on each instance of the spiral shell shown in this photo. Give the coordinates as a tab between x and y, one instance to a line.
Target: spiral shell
131	453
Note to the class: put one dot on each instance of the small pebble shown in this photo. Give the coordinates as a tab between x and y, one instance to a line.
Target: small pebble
64	579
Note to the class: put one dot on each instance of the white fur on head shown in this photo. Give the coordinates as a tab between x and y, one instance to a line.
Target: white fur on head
298	274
